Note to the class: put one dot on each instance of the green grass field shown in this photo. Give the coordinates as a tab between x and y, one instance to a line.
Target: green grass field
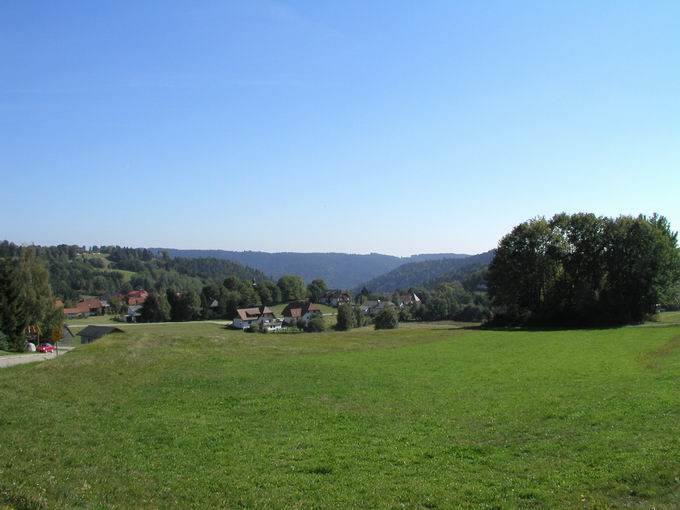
99	319
426	416
668	318
127	275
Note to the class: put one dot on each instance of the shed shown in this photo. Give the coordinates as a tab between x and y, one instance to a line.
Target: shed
92	333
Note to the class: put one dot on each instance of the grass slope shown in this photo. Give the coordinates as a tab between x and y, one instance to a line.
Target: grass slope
127	275
426	416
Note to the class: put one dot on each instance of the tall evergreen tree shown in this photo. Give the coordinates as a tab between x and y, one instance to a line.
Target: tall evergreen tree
13	319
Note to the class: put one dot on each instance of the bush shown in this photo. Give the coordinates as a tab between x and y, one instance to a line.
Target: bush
405	314
387	319
315	325
471	313
345	318
254	328
4	342
360	319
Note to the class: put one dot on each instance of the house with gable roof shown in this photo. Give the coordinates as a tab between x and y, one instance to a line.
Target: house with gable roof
246	317
300	311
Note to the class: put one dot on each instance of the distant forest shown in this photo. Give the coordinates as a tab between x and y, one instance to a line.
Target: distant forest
76	271
429	273
338	270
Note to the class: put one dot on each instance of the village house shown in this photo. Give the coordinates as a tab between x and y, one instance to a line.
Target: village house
335	298
133	314
84	308
374	307
132	298
136	297
300	311
246	317
408	299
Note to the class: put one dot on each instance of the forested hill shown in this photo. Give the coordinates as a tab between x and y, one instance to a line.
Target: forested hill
338	270
426	273
100	271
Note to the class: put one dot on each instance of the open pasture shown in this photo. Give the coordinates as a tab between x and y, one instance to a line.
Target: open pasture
430	415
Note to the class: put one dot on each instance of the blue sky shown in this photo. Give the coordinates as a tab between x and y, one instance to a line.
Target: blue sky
395	127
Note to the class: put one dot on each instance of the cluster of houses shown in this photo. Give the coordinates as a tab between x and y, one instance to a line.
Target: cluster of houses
374	307
90	306
303	311
134	300
296	311
335	298
86	307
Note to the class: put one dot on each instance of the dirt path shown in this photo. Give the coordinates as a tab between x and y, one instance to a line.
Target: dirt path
20	359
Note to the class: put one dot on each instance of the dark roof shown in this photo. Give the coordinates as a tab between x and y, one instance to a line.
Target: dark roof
99	331
335	293
66	332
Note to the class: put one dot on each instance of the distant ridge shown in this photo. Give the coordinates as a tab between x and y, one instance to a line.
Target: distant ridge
339	270
424	273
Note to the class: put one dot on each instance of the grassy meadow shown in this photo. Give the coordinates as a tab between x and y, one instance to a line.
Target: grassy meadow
430	415
127	275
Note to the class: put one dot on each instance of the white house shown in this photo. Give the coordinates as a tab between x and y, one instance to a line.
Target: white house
246	317
375	307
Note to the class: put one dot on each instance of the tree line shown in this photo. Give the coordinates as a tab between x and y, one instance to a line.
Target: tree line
220	300
75	271
26	301
584	269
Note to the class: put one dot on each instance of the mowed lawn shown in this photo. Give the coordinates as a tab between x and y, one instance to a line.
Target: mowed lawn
426	416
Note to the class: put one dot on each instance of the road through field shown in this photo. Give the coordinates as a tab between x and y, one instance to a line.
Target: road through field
19	359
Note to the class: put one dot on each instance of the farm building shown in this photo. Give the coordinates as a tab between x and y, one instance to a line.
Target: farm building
92	333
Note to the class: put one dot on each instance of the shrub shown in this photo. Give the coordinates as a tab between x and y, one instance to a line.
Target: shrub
471	313
387	319
345	318
315	325
405	314
4	342
360	319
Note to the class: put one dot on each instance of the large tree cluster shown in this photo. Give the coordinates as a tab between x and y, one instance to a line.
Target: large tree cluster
26	301
584	269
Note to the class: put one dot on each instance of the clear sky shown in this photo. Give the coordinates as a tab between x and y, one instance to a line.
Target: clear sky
395	127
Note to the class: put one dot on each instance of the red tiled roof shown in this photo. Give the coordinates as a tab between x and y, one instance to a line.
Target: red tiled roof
299	308
84	306
253	313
